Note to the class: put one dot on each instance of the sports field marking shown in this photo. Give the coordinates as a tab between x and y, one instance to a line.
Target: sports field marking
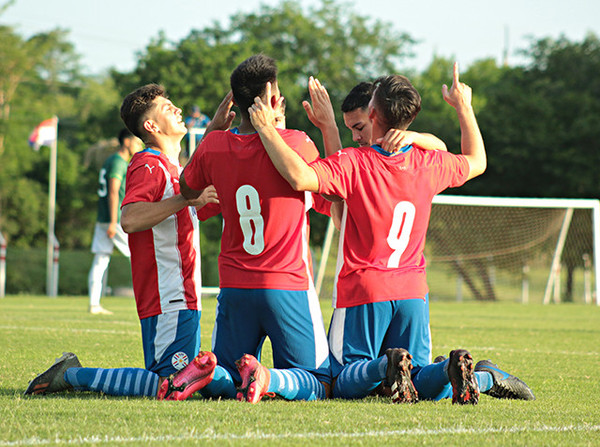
209	435
136	332
64	330
517	350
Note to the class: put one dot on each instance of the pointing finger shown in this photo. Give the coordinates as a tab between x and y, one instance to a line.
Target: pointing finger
268	93
455	80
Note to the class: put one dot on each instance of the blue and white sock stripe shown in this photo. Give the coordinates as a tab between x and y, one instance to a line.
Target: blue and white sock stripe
114	382
297	384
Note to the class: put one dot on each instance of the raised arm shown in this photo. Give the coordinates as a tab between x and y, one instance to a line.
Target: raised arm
289	164
321	114
471	144
223	116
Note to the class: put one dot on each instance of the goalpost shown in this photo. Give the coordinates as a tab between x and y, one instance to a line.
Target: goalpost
500	248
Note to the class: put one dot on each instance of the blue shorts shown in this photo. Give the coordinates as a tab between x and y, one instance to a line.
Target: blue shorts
365	332
171	340
291	319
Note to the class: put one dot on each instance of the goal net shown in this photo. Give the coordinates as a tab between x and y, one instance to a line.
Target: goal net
509	249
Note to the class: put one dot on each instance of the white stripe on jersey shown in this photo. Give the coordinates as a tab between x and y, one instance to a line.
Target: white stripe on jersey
340	256
321	346
169	263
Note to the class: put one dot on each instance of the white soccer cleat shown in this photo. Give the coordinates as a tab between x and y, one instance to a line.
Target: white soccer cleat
99	310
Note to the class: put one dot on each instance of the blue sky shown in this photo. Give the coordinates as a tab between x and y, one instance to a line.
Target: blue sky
109	32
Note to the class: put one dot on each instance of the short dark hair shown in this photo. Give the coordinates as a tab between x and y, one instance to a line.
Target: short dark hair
396	101
136	106
249	78
358	98
125	134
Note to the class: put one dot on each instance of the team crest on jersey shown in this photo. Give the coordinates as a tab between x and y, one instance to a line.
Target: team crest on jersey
180	360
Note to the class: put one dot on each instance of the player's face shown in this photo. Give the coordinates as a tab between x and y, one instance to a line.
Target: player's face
168	117
359	123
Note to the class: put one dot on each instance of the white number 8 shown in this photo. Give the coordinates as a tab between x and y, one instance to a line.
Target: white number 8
248	206
402	223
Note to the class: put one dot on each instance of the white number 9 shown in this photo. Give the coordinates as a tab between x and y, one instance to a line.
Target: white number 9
399	235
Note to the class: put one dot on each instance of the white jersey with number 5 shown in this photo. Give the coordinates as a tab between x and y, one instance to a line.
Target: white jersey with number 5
388	203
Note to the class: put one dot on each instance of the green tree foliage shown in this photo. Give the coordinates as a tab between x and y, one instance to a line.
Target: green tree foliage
328	41
541	123
39	78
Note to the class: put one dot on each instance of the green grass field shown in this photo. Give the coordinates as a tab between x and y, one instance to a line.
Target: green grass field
555	349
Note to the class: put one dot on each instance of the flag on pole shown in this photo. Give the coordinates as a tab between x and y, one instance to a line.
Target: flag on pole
44	134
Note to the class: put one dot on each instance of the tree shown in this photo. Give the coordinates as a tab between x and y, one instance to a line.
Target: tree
39	78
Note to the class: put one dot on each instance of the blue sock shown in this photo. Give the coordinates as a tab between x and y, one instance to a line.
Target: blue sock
484	380
221	385
432	382
358	379
115	382
296	384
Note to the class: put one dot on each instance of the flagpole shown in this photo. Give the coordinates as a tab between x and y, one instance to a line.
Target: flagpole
50	289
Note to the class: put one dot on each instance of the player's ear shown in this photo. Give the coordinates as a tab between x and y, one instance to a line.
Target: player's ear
372	113
150	126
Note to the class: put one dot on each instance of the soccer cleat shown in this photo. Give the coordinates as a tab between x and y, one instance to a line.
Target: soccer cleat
460	371
99	310
196	375
506	386
255	379
398	376
53	379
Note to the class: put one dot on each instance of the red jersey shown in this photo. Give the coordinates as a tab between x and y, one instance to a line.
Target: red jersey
388	203
265	222
165	259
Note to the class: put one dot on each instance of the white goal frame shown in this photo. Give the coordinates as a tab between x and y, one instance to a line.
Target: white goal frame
567	204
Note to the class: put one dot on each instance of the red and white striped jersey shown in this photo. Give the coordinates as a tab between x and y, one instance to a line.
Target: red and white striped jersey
387	207
165	259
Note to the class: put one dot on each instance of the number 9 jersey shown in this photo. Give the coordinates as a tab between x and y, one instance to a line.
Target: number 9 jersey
265	230
386	215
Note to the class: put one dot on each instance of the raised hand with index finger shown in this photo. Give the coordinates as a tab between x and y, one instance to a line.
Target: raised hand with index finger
459	94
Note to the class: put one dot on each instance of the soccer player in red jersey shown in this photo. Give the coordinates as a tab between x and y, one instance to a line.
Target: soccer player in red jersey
264	264
380	326
165	255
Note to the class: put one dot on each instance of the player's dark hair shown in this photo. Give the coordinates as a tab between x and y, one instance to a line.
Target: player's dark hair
396	101
136	105
358	98
125	134
249	78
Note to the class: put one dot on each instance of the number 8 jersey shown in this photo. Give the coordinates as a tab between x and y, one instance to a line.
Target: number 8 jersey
265	233
386	214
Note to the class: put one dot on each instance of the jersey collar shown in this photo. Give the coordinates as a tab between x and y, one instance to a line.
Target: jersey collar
403	150
152	151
